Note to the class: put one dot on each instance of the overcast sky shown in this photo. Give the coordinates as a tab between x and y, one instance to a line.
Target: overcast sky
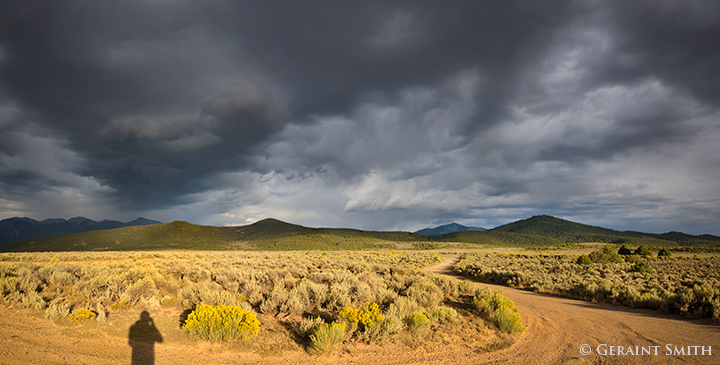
366	114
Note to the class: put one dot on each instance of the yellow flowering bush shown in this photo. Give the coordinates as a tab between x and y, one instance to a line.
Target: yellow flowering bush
350	315
500	309
370	315
222	322
417	320
82	315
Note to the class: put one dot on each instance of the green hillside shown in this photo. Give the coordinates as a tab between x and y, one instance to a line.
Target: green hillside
545	230
178	234
272	234
546	225
268	234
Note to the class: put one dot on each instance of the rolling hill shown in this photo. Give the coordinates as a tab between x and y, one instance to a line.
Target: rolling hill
272	234
267	234
545	230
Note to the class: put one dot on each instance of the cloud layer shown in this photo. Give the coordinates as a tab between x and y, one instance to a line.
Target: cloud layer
370	115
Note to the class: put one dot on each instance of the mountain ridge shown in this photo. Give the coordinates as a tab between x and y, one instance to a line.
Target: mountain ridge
24	228
272	234
447	228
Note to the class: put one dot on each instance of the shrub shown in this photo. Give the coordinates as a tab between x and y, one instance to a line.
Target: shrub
33	300
142	288
350	315
370	315
416	321
466	287
222	322
305	327
102	315
443	314
605	255
643	251
82	315
327	335
403	306
205	293
642	267
584	260
508	320
391	325
664	253
426	293
500	309
57	310
624	250
447	285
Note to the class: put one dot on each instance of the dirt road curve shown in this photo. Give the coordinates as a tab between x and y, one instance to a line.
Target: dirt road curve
558	327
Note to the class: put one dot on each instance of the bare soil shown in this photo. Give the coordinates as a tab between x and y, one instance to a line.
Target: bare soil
556	330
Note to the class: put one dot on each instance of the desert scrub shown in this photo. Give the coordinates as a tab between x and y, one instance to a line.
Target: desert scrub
325	336
416	321
82	315
500	309
664	253
443	314
426	293
685	286
281	284
306	327
57	310
368	316
222	322
643	251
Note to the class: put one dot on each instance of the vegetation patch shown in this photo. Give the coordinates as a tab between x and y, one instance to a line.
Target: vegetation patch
417	320
686	286
500	309
82	315
327	335
222	323
316	301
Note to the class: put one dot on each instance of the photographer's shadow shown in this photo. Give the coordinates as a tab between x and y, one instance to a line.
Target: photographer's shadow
142	337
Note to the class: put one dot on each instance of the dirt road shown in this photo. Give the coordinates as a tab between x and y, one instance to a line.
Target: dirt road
558	328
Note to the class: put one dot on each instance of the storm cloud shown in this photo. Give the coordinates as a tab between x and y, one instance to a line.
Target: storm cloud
372	115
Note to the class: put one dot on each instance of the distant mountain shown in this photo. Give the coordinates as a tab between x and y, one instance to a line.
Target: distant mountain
17	229
448	228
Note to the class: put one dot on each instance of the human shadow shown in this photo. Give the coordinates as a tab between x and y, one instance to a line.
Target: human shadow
142	337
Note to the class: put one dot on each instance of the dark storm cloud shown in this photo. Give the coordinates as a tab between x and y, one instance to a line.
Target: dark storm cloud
673	41
388	113
157	96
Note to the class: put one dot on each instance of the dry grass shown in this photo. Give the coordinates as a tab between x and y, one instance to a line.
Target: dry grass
291	293
689	286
